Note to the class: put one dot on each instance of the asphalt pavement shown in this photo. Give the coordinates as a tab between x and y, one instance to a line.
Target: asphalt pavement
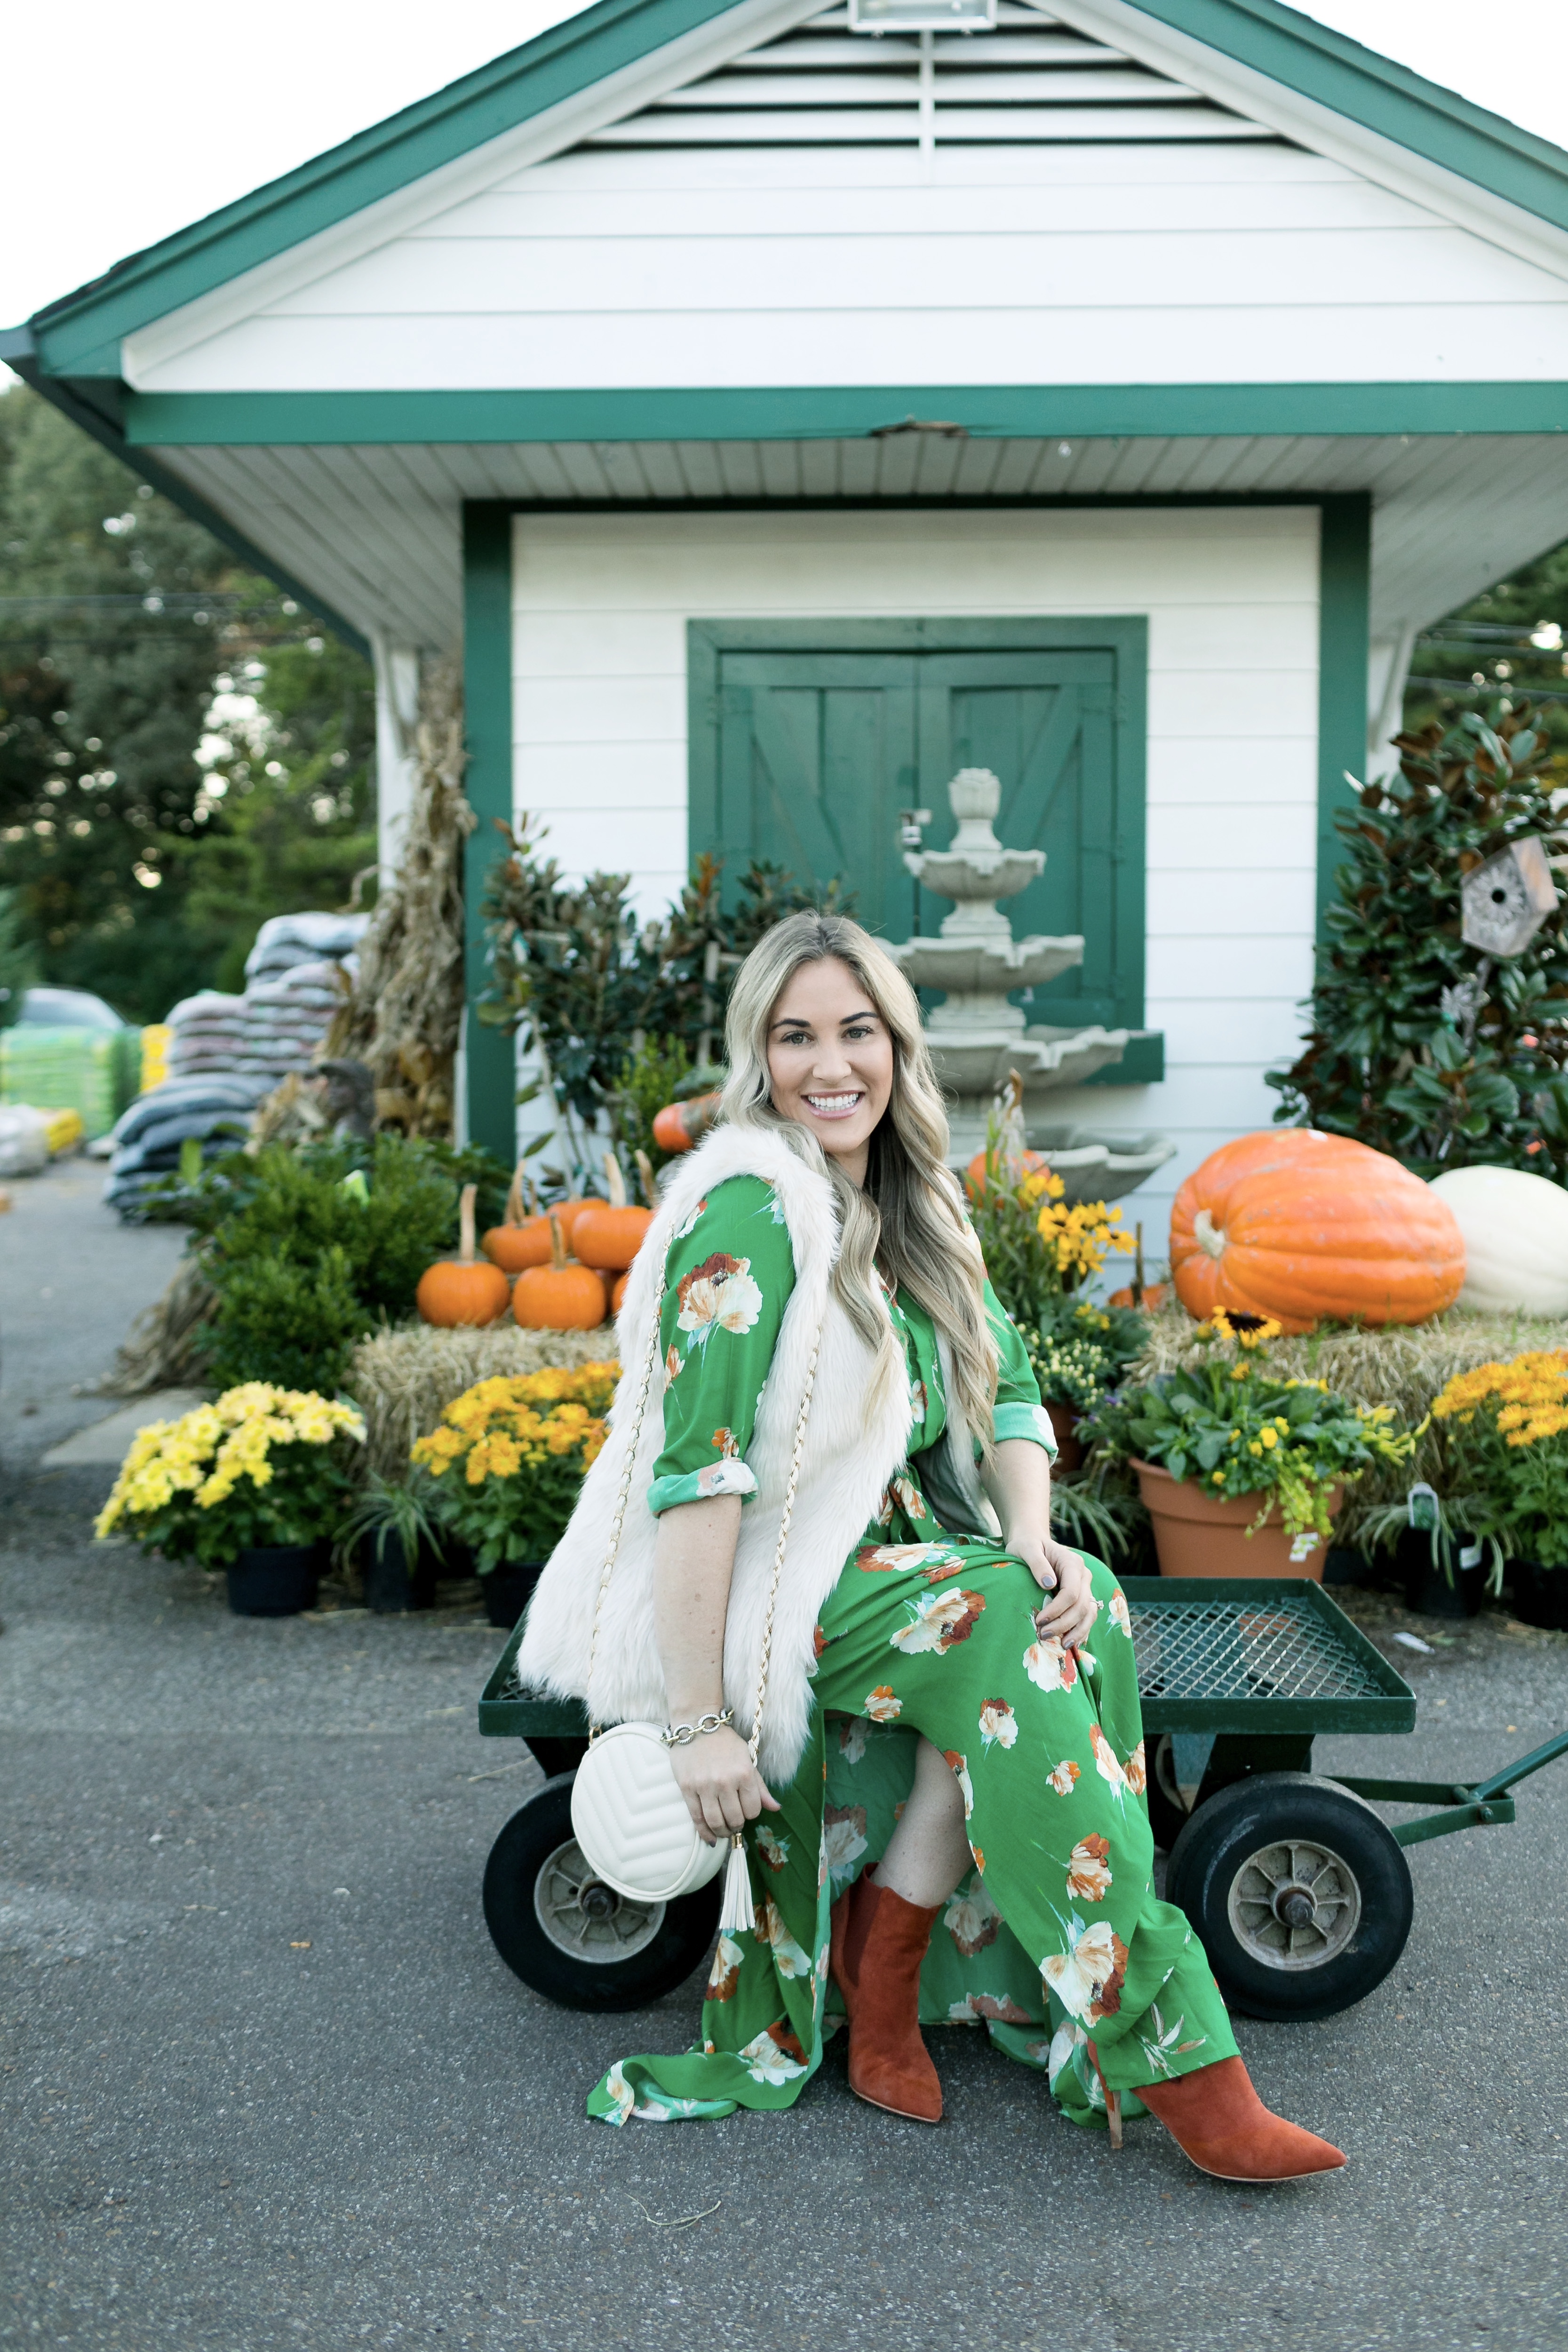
264	2084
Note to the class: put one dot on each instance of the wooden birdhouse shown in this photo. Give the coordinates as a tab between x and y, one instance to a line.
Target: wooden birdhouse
1507	900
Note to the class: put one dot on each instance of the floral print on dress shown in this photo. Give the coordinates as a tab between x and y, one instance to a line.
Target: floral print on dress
852	1737
883	1705
774	2056
1063	1777
1087	1977
1121	1616
724	1479
1158	2047
1105	1763
972	1919
938	1621
959	1766
999	2005
773	1851
1050	1664
683	1232
844	1841
789	1959
725	1973
1089	1869
902	1494
718	1296
1137	1770
998	1723
727	1443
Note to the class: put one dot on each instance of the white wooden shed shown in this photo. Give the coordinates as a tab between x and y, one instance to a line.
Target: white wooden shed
784	408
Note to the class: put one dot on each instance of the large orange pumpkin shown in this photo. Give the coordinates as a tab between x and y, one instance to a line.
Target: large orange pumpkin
518	1241
1300	1226
560	1296
608	1234
679	1125
464	1289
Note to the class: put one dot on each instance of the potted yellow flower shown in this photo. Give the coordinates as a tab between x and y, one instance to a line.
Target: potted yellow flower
253	1483
508	1456
1505	1429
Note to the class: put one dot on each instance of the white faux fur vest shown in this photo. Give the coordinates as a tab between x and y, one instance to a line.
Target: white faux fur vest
848	1457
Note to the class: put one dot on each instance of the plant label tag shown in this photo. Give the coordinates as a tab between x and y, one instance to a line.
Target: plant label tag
1302	1547
1421	1507
1469	1555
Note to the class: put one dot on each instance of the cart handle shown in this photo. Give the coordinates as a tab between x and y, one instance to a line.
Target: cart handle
1467	1805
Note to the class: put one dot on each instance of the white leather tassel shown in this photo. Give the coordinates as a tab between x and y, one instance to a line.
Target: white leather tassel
735	1911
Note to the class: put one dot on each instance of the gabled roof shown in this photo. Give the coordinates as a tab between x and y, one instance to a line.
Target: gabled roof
79	334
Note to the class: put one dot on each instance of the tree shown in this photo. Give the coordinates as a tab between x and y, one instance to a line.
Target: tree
1420	1045
119	618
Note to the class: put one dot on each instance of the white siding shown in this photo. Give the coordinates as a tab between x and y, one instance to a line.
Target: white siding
601	604
1044	265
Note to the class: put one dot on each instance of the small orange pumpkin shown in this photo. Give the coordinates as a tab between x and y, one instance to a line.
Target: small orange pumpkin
519	1241
609	1234
1030	1163
679	1125
618	1294
466	1289
1300	1225
1155	1297
561	1295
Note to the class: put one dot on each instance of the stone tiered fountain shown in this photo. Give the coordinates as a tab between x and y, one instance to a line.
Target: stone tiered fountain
978	1039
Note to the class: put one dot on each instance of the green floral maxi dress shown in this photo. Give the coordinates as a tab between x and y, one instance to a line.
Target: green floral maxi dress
1056	1936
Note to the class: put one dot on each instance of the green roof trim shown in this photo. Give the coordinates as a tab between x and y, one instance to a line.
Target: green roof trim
1088	412
81	334
77	334
1381	96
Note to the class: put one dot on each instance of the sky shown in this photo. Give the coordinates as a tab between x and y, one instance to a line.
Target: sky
123	124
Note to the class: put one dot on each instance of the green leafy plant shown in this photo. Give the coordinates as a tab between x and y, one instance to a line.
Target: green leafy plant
263	1465
306	1249
1420	1045
509	1457
651	1078
1237	1427
387	1508
1080	1351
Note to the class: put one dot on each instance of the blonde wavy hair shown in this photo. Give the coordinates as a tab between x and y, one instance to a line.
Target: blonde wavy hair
909	1220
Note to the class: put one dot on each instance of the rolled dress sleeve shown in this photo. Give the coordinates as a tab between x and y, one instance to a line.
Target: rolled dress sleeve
1018	1413
730	1274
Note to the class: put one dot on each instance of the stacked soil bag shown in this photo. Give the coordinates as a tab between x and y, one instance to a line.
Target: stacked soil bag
215	1108
208	1032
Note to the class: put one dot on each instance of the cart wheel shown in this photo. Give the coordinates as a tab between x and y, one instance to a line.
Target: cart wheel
1301	1896
572	1937
1168	1817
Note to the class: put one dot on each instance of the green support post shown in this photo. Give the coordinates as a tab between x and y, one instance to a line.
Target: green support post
492	1058
1343	616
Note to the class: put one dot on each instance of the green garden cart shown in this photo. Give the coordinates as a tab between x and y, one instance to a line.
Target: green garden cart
1301	1892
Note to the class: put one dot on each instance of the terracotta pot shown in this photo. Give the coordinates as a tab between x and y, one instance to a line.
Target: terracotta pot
1064	1421
1200	1533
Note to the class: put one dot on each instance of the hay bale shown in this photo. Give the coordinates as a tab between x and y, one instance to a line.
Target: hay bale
1402	1365
404	1380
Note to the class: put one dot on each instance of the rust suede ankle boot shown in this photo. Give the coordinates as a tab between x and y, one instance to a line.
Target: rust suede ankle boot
1220	2123
879	1943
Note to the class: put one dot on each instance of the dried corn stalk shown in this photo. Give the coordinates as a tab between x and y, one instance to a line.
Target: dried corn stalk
405	1018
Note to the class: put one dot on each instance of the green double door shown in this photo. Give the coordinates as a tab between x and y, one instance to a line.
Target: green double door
808	741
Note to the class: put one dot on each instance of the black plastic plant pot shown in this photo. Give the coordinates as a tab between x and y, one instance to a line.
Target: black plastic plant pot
1540	1595
508	1588
278	1580
1440	1587
391	1585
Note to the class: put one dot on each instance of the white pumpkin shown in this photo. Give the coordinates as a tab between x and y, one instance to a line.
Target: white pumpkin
1516	1239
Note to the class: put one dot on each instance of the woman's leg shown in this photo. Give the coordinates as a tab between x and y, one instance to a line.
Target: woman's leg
928	1853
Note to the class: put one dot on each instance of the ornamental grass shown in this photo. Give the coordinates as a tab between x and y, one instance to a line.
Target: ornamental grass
403	1381
1402	1366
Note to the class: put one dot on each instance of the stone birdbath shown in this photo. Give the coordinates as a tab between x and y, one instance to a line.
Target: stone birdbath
978	1038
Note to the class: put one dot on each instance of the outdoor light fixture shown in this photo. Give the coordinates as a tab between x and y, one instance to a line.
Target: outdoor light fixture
922	16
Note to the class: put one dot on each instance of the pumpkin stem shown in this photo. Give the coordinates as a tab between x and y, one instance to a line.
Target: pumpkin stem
514	1198
466	1199
1207	1236
557	1244
615	1183
644	1178
532	1198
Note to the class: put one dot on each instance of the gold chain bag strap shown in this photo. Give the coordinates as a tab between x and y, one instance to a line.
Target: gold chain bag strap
628	1815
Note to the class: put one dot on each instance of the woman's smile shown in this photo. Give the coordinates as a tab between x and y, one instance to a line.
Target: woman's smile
830	1061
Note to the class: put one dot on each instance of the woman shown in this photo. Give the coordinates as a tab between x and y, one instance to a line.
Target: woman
819	1223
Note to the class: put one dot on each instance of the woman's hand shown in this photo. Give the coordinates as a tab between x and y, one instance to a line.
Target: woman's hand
722	1788
1069	1613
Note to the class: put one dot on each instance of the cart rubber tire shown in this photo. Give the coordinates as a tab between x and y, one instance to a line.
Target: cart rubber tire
530	1866
1167	1816
1273	1830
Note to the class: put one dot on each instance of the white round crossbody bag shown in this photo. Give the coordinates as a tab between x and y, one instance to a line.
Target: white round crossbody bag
628	1815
